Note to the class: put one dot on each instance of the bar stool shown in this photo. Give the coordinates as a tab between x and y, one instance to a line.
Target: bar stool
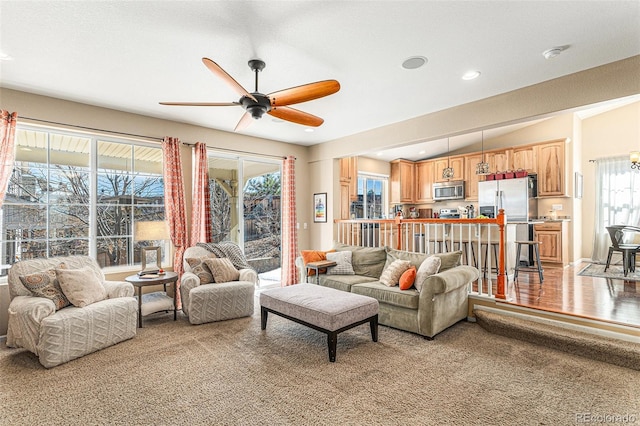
534	245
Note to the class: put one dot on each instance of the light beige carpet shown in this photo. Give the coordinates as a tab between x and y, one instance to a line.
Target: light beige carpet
232	373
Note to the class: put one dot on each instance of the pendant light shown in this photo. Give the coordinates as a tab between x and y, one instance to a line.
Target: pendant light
482	168
447	172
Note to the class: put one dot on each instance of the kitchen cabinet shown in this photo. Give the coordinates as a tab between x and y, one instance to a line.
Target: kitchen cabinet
424	181
349	174
402	182
551	169
498	160
554	244
345	202
440	164
524	158
471	179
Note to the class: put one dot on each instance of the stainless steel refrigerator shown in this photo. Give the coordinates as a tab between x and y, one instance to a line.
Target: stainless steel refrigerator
518	199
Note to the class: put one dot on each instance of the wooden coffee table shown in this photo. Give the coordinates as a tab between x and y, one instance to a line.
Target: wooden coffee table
165	303
316	266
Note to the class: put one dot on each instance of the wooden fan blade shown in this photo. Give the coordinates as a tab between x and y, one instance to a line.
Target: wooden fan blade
200	103
217	70
244	122
304	93
296	116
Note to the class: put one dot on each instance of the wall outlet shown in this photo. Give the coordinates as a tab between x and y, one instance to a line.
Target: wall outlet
298	225
305	225
556	206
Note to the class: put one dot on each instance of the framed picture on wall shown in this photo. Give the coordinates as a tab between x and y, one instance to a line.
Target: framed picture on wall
320	207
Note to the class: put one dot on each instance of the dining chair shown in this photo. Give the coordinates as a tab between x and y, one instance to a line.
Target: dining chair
626	240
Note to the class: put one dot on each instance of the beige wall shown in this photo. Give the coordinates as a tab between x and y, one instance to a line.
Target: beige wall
610	134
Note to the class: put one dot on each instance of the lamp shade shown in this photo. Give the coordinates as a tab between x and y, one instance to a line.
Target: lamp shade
151	231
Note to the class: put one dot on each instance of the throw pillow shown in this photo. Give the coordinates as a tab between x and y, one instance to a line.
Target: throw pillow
407	278
392	273
314	256
81	286
222	270
430	266
369	261
343	263
449	260
200	269
45	284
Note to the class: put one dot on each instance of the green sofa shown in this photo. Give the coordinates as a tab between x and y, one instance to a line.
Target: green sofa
441	303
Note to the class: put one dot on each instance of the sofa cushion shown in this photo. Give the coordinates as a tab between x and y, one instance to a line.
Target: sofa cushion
414	258
407	278
343	263
367	261
448	260
81	286
390	295
45	284
222	269
392	273
343	282
430	266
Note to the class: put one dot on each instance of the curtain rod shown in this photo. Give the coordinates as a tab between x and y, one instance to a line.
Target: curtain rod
92	128
241	152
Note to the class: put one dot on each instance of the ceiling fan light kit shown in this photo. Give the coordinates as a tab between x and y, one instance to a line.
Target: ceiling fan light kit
276	104
482	168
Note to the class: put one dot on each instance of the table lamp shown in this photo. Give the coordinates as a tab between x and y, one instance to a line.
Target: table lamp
150	257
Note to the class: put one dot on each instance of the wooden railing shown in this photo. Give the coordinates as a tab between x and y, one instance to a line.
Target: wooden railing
428	236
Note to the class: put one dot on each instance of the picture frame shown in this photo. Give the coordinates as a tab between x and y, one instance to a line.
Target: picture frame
150	258
578	185
320	207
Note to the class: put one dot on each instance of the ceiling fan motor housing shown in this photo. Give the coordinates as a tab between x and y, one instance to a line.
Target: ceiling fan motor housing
256	109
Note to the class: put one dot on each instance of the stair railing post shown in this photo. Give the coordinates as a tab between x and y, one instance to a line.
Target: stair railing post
501	220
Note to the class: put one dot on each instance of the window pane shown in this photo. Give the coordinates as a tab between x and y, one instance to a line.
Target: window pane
31	147
146	214
113	251
114	188
25	221
69	150
68	184
148	160
69	247
114	156
31	250
68	221
27	185
148	190
114	220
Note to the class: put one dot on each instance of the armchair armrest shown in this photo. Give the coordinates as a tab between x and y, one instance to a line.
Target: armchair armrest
118	289
25	315
248	275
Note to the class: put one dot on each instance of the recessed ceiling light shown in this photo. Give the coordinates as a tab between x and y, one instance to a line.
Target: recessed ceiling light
422	152
470	75
379	154
414	62
553	52
308	130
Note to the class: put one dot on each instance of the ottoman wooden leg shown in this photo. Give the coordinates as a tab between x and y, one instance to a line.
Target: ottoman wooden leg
332	340
374	328
263	318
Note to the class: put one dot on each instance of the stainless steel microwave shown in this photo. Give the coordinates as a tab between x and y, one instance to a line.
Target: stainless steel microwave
452	190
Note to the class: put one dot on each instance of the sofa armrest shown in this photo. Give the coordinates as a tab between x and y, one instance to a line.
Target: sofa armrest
118	289
450	279
25	315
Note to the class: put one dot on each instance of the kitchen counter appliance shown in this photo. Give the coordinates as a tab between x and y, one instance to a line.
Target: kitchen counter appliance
452	190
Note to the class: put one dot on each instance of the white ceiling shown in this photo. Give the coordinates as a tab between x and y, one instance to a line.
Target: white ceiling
131	55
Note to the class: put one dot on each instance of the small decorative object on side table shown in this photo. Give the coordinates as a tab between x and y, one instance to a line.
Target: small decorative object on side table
320	264
163	302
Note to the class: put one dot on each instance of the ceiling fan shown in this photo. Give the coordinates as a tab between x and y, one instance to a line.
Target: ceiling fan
275	103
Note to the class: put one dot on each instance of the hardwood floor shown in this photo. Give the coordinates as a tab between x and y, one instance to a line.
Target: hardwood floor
564	291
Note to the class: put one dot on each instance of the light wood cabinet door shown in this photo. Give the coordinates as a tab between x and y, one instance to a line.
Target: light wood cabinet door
424	180
471	179
349	174
551	169
524	158
345	202
498	161
402	182
457	163
345	175
550	245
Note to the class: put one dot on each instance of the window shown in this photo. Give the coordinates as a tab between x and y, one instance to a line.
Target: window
372	197
77	194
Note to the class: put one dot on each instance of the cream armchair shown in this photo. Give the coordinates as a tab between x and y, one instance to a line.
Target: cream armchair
210	302
58	336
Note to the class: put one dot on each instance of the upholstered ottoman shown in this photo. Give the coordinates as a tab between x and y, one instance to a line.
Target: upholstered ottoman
321	308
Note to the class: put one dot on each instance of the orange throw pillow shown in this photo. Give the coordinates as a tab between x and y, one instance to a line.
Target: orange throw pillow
314	256
407	278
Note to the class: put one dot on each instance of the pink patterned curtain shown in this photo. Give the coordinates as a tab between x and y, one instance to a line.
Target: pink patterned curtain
7	152
174	203
201	210
289	219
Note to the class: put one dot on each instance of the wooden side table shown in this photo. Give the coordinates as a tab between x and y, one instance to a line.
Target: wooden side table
146	280
316	266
